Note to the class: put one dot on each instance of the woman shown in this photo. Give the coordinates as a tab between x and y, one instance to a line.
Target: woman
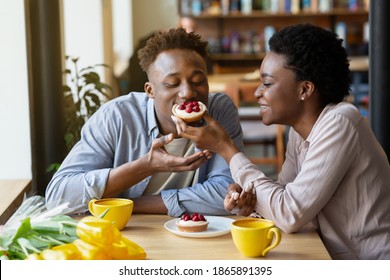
335	175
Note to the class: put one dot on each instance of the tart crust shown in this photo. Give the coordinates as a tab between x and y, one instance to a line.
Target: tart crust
198	227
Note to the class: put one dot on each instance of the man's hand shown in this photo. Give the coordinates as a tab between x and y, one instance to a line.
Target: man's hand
240	202
161	161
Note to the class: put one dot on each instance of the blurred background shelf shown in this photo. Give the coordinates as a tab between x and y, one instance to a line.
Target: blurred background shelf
238	39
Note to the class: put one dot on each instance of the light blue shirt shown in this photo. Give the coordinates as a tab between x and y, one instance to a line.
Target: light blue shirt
123	130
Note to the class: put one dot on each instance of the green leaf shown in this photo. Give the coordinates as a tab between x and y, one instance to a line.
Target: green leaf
69	137
91	78
16	254
47	226
78	105
69	231
53	167
39	242
27	246
95	98
65	220
24	228
104	213
67	89
85	70
87	105
63	238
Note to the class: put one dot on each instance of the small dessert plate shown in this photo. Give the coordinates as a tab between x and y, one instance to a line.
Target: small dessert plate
217	226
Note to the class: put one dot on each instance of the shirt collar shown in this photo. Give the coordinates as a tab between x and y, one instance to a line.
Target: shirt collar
151	119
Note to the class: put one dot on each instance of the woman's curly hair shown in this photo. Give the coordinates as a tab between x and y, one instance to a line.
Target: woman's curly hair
175	38
316	55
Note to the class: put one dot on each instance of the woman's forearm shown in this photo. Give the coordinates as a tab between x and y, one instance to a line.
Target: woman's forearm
227	150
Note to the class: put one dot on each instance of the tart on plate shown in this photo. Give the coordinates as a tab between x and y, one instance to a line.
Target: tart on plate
192	223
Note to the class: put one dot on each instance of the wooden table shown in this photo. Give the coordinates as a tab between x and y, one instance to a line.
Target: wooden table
11	196
148	231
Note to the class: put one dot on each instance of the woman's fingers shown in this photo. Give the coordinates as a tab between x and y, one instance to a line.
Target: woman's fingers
239	201
232	197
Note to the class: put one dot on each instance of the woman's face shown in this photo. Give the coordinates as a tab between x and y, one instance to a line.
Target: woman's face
279	94
175	76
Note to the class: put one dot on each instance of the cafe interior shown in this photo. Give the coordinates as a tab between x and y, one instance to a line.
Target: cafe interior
45	42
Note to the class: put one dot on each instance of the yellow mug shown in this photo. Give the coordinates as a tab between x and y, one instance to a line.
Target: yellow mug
254	237
119	210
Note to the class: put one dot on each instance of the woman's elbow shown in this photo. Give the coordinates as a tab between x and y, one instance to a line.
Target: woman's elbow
289	227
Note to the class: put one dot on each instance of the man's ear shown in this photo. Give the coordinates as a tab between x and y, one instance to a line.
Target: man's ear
149	90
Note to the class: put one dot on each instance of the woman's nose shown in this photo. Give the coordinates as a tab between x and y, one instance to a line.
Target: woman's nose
259	91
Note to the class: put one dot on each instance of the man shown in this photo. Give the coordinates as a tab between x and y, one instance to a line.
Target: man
130	147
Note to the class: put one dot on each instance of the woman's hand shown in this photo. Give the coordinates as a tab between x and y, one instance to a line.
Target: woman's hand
211	137
240	202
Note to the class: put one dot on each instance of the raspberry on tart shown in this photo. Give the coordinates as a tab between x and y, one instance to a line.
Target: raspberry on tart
192	223
189	111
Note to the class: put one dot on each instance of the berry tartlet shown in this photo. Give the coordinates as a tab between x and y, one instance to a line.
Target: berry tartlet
192	223
189	111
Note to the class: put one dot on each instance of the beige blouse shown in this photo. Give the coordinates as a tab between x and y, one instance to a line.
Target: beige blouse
338	179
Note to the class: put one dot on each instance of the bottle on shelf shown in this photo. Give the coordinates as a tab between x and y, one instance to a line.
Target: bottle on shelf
324	6
268	32
246	7
341	31
235	6
196	7
235	42
185	7
225	7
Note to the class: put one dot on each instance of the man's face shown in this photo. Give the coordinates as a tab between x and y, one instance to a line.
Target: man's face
174	77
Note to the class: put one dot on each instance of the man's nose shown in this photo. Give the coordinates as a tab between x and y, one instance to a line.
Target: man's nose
187	92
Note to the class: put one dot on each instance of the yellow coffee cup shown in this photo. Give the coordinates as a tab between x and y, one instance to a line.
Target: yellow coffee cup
119	210
254	237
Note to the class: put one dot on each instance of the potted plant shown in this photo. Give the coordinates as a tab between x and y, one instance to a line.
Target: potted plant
83	96
84	93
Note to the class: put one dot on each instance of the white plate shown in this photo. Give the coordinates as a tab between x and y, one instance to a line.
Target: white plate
217	226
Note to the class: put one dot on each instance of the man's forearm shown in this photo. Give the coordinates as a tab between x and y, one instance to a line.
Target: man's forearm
149	204
126	176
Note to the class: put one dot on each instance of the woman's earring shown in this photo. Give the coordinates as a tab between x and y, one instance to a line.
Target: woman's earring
302	98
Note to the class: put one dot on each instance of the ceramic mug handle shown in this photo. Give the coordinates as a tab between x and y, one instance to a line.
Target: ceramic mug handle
278	237
90	205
